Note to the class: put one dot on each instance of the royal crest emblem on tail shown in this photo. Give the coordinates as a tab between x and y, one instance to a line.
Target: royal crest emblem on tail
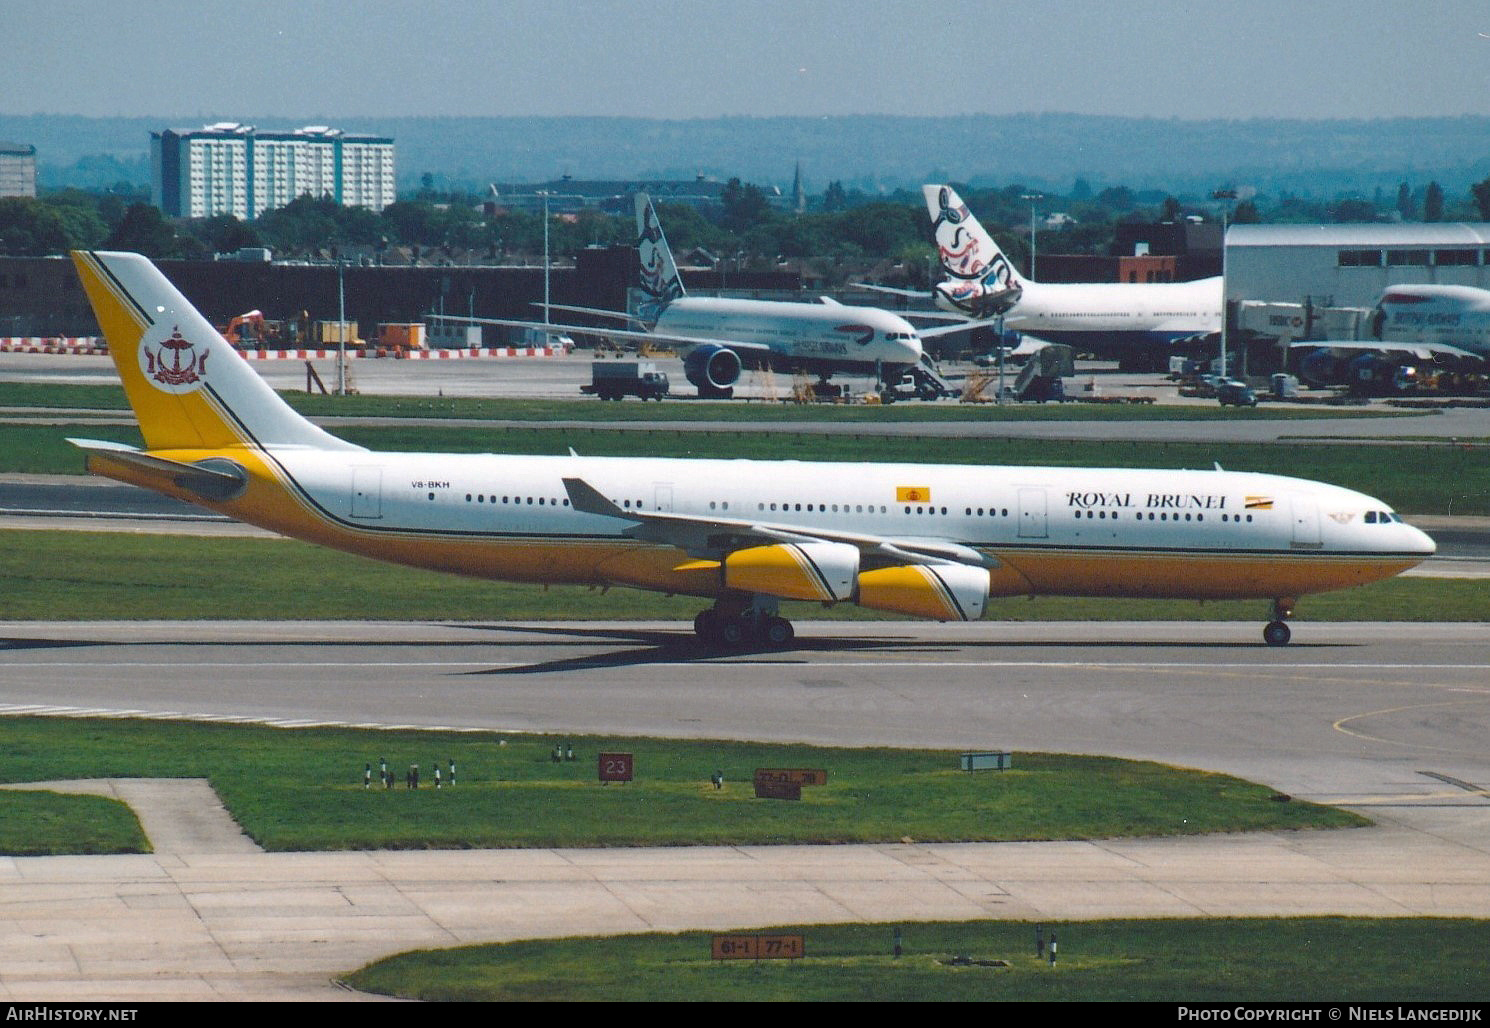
172	365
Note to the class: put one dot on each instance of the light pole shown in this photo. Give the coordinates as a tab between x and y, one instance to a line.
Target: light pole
1228	195
1032	197
341	328
547	319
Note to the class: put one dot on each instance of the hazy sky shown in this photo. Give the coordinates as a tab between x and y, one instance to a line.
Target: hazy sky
702	58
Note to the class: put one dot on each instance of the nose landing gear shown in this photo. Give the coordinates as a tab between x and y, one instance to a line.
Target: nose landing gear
1277	632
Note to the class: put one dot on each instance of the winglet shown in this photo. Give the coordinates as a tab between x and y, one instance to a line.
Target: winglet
586	499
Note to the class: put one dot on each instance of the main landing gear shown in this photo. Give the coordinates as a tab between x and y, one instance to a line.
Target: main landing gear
737	624
1277	632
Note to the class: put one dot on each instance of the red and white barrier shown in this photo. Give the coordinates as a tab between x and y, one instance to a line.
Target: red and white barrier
53	344
94	345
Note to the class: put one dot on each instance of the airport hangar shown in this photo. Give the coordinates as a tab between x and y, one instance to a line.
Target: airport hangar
1290	282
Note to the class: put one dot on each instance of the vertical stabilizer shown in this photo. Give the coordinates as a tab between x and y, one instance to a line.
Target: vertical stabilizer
980	280
660	282
189	388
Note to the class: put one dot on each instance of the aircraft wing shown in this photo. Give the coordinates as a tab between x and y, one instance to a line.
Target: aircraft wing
667	338
596	312
715	537
962	325
918	294
1422	351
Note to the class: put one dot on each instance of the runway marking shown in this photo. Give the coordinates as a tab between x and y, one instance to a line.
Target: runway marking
1340	725
37	710
744	660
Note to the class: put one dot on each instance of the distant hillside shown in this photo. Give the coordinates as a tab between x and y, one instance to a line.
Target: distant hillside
870	152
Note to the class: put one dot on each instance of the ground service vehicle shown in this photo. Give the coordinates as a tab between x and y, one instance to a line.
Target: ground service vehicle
611	380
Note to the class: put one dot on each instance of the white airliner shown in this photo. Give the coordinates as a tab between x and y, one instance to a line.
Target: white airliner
1445	325
1107	319
720	336
920	539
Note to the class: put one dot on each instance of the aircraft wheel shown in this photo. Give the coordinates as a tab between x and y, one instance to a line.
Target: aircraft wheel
1277	633
733	632
778	633
706	624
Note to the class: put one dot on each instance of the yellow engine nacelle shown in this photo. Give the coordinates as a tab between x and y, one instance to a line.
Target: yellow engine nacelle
795	571
940	592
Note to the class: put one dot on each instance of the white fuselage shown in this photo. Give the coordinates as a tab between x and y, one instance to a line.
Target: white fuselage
1456	316
1105	317
851	337
1200	534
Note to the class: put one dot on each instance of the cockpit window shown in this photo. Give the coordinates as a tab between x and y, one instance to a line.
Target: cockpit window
1370	517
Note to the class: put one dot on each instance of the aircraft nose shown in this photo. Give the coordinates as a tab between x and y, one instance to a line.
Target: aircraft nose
913	349
1420	542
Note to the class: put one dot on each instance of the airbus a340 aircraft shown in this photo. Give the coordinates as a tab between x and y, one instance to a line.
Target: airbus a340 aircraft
930	541
720	336
1107	319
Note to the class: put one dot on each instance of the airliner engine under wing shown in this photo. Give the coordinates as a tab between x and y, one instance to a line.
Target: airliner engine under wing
1107	319
720	336
924	540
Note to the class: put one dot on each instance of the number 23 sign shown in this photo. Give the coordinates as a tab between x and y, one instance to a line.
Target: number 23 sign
616	767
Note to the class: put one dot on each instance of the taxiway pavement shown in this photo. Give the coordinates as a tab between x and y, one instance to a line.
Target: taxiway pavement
1385	719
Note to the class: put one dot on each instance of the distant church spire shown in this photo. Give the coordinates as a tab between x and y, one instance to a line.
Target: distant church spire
799	195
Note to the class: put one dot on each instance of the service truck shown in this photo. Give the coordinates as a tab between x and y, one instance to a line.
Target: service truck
611	380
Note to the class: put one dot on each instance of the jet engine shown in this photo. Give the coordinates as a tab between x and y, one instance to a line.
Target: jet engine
1324	367
712	367
795	571
940	592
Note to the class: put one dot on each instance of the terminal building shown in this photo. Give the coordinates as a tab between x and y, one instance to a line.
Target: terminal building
229	168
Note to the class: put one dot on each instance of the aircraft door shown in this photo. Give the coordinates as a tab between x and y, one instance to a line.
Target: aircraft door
663	497
1305	521
1032	513
367	493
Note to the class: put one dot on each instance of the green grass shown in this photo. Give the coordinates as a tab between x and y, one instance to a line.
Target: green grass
301	789
1291	960
41	823
46	575
96	397
1412	478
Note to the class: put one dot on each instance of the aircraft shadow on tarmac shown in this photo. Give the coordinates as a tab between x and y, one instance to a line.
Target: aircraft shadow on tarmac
654	646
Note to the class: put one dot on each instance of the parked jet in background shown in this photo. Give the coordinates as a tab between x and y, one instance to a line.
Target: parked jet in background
1414	330
931	541
1130	322
720	336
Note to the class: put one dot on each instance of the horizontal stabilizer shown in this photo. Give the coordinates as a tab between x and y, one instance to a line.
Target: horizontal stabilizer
214	479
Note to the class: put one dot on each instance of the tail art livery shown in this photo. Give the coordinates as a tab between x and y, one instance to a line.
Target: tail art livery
719	336
924	540
1113	319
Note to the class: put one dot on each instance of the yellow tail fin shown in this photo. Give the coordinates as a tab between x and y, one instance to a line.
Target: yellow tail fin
189	388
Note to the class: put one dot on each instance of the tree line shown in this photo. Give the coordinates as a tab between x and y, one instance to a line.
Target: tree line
842	230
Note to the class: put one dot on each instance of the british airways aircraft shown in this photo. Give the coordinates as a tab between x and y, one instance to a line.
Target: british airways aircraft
1105	319
1443	326
720	336
930	541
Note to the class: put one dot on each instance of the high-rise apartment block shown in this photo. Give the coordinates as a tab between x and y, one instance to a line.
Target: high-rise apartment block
228	168
17	169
